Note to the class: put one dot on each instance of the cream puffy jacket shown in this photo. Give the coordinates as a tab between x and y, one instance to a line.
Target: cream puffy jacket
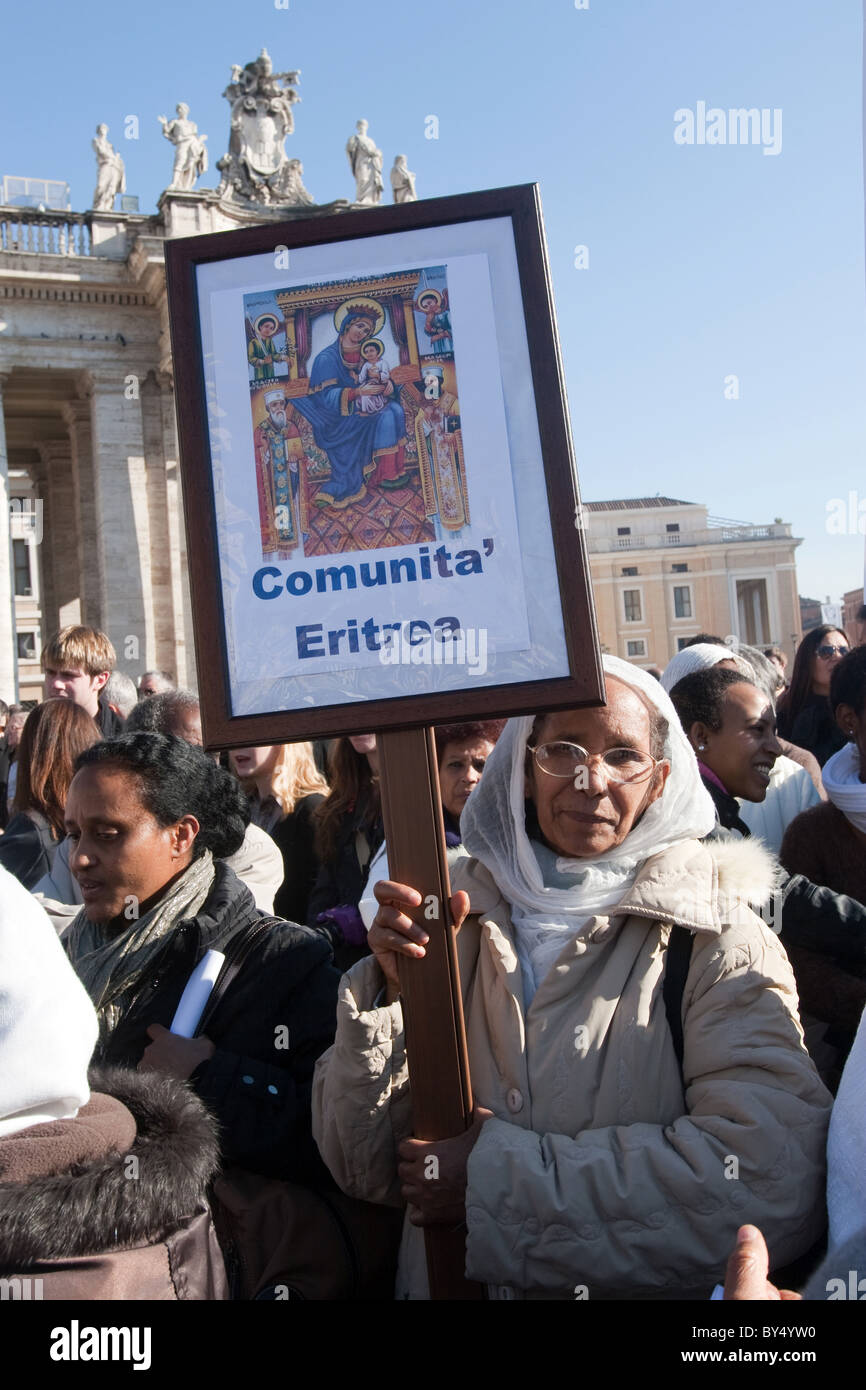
597	1178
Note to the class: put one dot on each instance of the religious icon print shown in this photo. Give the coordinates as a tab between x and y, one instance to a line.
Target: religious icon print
356	415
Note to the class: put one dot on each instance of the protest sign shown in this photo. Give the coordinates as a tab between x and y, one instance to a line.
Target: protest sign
380	493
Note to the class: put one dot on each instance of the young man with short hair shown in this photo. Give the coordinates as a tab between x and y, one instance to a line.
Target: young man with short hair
77	663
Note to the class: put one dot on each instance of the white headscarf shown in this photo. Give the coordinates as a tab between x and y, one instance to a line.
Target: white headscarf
47	1023
494	832
700	657
841	777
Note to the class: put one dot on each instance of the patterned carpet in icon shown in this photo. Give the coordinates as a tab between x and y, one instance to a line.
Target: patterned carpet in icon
380	519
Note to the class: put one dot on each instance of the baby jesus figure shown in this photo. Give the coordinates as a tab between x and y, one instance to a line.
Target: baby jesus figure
375	372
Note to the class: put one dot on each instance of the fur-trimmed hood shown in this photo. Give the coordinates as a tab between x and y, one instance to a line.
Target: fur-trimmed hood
701	884
704	884
111	1202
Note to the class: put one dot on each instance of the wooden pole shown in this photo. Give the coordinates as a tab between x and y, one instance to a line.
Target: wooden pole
430	988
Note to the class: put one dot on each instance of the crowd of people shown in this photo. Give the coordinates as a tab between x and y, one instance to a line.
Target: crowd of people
661	915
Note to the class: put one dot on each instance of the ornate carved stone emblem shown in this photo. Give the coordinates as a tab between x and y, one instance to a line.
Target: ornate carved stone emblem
256	169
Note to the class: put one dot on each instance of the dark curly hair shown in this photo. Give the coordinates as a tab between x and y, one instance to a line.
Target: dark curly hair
700	697
177	779
847	683
486	729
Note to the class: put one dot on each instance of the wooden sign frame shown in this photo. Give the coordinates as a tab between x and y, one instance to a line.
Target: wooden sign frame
581	682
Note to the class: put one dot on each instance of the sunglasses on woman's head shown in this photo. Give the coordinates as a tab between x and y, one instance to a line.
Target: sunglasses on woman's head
827	651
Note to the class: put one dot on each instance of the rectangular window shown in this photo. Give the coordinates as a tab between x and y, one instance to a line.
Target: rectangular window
753	611
637	648
631	600
630	570
682	642
21	556
680	569
26	646
682	601
672	526
623	530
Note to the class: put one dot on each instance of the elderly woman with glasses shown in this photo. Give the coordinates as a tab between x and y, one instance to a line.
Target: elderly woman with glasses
805	716
641	1085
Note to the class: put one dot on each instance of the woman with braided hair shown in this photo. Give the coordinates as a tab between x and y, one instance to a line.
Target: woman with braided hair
150	819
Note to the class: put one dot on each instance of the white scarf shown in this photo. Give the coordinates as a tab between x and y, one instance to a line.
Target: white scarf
494	832
47	1023
841	777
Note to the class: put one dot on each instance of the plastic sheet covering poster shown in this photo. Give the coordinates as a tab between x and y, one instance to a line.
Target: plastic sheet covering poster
377	473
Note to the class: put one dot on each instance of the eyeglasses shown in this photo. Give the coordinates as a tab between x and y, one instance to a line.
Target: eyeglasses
828	651
562	759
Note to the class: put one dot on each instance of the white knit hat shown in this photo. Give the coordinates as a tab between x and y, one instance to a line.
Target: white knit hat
48	1026
697	658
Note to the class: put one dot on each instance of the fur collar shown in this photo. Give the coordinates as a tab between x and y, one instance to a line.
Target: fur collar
705	884
111	1203
701	884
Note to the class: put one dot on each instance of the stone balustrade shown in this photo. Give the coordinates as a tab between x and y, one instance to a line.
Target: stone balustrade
711	535
45	233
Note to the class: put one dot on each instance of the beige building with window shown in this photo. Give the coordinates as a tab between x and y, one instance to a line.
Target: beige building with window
664	570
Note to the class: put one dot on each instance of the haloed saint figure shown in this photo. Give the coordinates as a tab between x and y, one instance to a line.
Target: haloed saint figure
364	447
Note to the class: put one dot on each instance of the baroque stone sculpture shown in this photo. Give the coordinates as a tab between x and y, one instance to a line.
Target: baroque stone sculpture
403	181
110	172
365	161
256	169
190	153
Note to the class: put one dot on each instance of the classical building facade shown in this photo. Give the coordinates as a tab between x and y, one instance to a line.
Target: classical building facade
88	443
664	570
87	435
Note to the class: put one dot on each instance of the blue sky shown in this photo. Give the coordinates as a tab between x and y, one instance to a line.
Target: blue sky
705	261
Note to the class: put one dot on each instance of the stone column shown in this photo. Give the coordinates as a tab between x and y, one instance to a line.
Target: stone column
122	533
184	634
60	549
8	648
77	416
169	653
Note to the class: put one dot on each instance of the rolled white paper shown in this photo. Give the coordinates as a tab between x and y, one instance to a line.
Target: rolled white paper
196	994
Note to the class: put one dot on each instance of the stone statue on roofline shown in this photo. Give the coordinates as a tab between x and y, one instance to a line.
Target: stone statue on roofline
190	152
256	169
110	172
365	161
403	181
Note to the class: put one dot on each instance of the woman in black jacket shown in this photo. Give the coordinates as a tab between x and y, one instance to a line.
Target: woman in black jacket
149	816
805	716
51	740
284	787
349	831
